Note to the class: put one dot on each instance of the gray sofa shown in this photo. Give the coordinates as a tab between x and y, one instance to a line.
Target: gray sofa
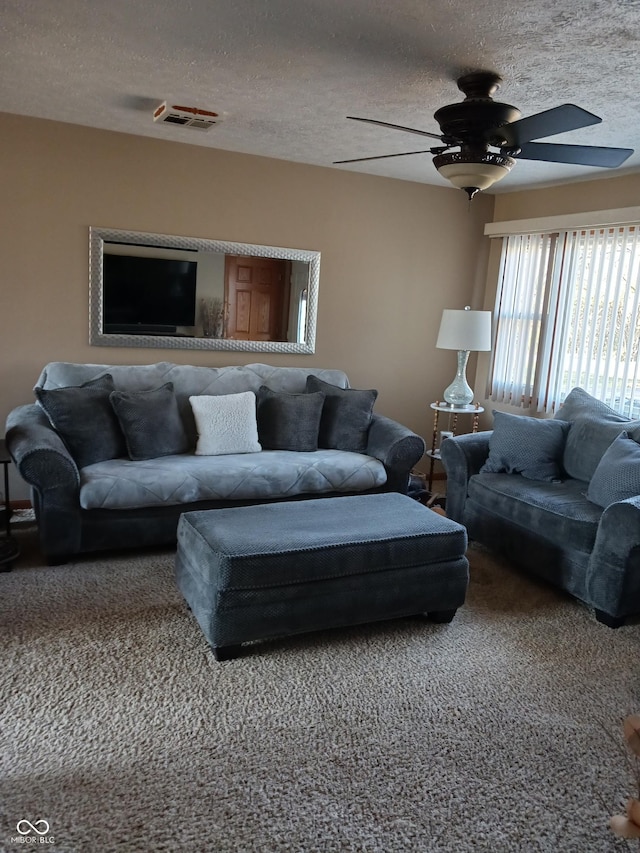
120	502
558	497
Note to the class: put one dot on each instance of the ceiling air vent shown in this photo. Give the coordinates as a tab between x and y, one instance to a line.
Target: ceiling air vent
186	116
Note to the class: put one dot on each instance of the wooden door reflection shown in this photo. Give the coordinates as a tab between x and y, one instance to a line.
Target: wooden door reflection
257	298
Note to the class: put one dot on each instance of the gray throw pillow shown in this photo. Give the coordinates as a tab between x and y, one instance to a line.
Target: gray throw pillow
532	447
617	477
579	403
288	421
83	417
593	427
346	415
151	422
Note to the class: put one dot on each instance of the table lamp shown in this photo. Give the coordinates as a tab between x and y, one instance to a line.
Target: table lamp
463	330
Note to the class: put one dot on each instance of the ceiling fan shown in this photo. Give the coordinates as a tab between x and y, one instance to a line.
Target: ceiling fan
479	124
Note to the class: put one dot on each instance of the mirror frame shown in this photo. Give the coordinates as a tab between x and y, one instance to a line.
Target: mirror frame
97	337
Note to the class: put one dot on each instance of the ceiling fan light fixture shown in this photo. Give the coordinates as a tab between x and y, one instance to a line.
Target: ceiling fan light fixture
479	123
473	172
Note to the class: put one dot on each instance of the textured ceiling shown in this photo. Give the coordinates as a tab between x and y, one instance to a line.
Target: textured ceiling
285	73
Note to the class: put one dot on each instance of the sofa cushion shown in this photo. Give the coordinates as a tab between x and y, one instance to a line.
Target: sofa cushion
532	447
189	380
559	512
346	415
289	421
151	422
271	474
226	423
594	425
83	417
617	476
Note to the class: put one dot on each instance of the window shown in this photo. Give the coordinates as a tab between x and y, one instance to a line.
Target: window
567	314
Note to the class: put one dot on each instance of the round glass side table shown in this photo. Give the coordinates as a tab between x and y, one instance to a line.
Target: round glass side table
453	412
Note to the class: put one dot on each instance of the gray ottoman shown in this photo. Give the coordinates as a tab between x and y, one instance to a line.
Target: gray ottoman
250	573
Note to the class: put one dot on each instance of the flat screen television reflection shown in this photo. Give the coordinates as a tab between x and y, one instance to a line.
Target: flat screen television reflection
148	295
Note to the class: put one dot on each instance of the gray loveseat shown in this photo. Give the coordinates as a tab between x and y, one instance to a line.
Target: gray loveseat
559	498
120	502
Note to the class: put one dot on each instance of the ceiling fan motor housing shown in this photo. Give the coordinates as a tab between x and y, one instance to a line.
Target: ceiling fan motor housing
476	120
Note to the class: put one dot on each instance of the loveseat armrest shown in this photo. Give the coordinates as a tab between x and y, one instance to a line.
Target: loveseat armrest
613	579
462	457
46	465
397	447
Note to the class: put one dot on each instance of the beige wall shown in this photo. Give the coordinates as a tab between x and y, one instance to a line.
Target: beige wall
599	194
394	253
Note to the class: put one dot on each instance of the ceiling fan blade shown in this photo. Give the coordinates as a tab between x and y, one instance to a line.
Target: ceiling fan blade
548	123
383	156
398	127
580	155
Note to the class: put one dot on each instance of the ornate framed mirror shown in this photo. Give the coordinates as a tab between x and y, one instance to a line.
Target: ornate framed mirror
158	290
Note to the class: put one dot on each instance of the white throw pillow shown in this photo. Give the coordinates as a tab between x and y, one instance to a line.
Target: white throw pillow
226	423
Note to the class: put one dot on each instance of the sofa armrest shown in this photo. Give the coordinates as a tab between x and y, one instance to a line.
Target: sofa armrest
613	578
462	457
46	465
38	451
397	447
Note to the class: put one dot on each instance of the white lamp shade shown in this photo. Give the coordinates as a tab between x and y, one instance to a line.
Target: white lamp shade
465	330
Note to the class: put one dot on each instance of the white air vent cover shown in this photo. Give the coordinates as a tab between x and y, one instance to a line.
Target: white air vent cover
187	116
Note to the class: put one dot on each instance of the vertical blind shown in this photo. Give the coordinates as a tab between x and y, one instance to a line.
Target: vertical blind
567	314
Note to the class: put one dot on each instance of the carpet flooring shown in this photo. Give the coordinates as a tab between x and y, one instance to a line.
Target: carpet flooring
498	732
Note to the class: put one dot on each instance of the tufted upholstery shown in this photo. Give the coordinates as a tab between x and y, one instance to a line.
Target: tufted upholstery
189	380
125	503
122	484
